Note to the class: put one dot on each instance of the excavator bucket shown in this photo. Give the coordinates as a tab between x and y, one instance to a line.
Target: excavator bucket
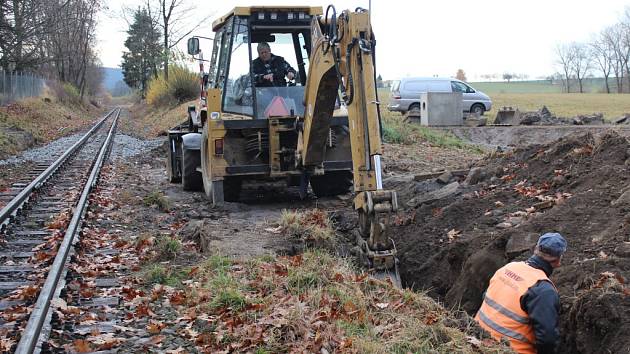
508	116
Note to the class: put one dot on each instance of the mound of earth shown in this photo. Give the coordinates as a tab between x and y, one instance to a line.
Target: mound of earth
450	243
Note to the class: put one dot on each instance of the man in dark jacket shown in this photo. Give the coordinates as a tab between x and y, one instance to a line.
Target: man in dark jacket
269	69
522	304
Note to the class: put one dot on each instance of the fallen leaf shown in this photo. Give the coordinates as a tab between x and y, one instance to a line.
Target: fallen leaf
82	346
155	327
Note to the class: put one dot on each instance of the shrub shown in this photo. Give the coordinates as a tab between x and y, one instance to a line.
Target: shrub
65	92
182	85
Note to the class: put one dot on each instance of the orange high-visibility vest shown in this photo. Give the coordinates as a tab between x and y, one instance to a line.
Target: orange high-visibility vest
501	313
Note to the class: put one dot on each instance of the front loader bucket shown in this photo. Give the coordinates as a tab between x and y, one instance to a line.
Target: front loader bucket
508	116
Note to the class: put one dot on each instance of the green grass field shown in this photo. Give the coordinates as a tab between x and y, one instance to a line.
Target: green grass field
532	95
591	85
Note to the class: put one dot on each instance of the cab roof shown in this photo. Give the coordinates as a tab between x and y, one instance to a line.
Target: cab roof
248	10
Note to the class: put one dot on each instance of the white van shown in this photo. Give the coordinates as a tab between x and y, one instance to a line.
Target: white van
406	94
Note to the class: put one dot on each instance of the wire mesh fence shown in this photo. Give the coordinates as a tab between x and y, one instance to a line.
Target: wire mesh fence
15	86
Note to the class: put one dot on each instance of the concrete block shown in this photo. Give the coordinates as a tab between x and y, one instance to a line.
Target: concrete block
441	109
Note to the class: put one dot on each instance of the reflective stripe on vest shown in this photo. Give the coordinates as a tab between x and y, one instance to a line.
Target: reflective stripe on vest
503	310
502	330
501	313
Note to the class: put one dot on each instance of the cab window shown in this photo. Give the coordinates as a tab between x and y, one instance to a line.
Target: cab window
238	96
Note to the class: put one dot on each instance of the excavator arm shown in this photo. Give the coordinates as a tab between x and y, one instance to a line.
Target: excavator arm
342	61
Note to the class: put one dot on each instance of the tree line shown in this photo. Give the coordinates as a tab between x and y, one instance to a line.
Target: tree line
155	29
606	54
53	38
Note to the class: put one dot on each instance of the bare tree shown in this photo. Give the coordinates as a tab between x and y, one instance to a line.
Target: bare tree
603	56
565	60
581	63
174	19
612	37
51	37
22	26
624	43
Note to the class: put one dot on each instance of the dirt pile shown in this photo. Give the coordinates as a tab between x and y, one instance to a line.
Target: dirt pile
577	186
543	116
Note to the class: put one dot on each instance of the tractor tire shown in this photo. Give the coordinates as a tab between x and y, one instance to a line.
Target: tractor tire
191	178
331	183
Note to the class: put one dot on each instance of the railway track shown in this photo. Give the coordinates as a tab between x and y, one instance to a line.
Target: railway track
40	224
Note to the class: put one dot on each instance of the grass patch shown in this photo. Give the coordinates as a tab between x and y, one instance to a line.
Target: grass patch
317	293
160	274
312	226
167	247
158	199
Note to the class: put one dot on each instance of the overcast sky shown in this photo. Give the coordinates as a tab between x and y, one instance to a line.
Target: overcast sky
426	38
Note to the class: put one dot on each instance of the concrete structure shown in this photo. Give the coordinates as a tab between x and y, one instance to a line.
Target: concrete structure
441	109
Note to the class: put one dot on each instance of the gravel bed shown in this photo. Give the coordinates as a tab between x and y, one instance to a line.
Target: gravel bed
126	146
44	153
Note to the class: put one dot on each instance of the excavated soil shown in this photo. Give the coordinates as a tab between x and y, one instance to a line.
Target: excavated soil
577	186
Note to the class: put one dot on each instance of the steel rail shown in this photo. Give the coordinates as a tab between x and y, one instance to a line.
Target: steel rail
12	208
31	333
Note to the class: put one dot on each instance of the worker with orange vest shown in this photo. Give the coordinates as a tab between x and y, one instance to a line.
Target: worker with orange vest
522	304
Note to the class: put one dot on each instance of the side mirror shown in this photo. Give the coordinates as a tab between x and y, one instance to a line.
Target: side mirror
193	46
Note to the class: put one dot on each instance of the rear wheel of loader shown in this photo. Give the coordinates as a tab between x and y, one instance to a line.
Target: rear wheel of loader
191	178
331	183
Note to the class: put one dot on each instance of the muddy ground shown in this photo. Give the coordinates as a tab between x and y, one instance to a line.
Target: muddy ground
577	186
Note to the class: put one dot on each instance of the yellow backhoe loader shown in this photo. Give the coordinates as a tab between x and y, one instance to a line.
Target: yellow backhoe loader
322	127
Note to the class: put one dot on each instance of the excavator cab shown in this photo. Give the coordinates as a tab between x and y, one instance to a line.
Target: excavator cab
235	49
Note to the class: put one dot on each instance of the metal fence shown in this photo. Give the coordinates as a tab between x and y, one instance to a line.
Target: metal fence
15	86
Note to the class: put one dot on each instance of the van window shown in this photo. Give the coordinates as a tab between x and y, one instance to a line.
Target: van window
416	86
461	87
396	86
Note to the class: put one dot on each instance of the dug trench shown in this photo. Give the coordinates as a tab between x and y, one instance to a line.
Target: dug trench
455	232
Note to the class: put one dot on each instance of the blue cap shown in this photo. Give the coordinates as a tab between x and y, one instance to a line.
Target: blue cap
552	243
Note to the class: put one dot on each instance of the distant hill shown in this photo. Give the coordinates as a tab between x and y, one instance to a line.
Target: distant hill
113	81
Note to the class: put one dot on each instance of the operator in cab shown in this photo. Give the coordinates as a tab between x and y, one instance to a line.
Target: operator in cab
521	304
270	70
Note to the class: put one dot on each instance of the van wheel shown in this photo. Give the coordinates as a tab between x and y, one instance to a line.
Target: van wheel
477	108
414	107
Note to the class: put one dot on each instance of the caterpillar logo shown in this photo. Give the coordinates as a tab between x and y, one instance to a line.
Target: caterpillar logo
513	275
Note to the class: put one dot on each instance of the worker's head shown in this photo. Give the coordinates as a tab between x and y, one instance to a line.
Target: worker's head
264	51
551	247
